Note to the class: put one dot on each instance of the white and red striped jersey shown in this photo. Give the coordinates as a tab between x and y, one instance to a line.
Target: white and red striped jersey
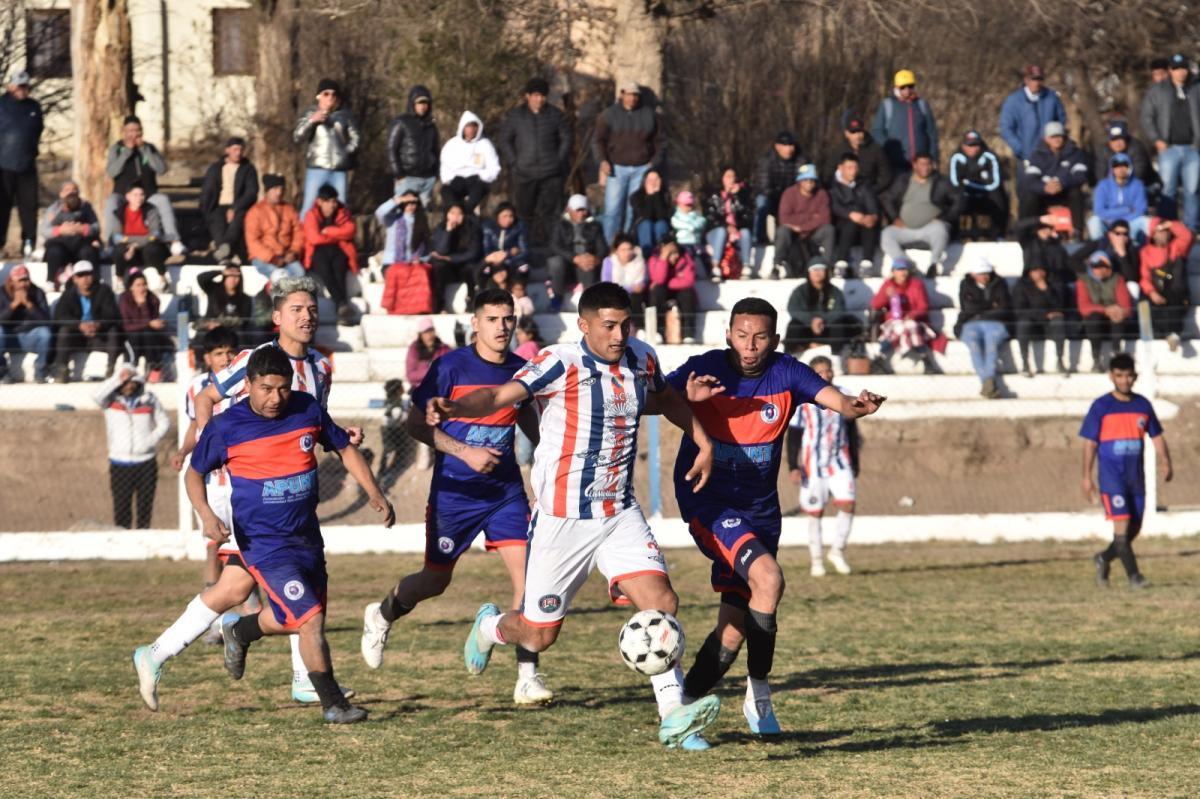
590	411
198	384
825	443
313	375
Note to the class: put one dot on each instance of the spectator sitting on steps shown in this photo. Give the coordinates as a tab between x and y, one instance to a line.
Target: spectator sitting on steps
901	308
70	231
873	167
329	252
1164	279
274	237
856	216
456	249
143	326
578	247
1120	196
729	214
230	189
805	224
469	165
135	231
134	160
226	302
1040	306
921	205
983	203
24	326
1105	307
408	287
818	313
652	211
86	318
985	311
1055	175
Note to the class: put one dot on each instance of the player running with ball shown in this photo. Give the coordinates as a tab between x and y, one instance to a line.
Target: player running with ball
735	519
592	394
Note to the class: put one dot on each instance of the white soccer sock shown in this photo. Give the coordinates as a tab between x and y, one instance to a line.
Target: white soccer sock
757	689
668	689
489	629
816	549
192	623
526	670
299	670
844	520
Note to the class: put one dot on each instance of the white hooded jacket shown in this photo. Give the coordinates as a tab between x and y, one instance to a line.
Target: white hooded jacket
462	159
135	424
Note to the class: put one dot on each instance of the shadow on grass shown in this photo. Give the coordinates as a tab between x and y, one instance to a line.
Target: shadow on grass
1000	564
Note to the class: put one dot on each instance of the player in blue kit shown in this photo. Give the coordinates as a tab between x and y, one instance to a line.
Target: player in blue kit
1112	432
735	519
268	446
476	486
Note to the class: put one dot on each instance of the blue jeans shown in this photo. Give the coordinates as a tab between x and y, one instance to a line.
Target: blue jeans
650	233
983	338
618	214
764	206
716	239
316	178
1139	227
36	341
422	187
1180	163
294	269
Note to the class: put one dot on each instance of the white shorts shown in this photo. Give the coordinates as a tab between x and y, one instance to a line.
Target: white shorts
563	552
220	499
817	490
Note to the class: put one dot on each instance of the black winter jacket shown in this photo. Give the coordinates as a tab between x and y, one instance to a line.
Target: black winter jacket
1070	166
742	207
860	197
562	240
1030	304
653	207
413	147
873	166
774	175
20	131
989	302
104	305
533	145
942	195
245	187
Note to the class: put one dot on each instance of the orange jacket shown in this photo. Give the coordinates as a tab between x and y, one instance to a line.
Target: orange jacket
341	233
273	230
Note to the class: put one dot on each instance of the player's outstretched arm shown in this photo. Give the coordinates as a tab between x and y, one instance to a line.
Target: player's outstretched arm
679	413
206	400
1164	458
214	528
480	402
360	470
481	459
1089	458
864	404
185	449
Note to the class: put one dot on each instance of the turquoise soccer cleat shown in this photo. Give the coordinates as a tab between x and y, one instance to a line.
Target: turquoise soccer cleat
477	653
687	720
695	743
148	675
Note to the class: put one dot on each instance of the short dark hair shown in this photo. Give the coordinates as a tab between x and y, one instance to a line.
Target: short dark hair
131	119
492	296
268	361
1116	223
504	206
847	156
599	296
235	141
528	325
921	155
218	338
327	192
821	360
755	306
623	238
1123	362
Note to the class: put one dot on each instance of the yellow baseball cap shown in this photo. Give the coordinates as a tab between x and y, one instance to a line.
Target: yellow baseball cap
904	77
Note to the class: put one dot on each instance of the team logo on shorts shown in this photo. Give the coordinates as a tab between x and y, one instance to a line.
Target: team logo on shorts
813	501
293	589
1118	501
729	524
769	412
306	442
446	545
549	603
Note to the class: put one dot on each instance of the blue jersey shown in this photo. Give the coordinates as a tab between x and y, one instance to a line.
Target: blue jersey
746	423
272	465
1118	427
454	375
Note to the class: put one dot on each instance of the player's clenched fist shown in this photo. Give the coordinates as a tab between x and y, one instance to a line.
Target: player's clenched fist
868	402
215	529
481	459
438	410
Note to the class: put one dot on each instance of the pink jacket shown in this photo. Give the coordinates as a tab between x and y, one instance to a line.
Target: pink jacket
680	276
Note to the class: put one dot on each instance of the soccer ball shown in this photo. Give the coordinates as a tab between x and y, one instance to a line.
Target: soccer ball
651	642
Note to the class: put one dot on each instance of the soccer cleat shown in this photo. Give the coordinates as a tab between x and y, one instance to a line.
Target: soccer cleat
374	635
687	720
532	691
477	652
306	694
1102	569
235	651
838	558
1137	582
350	714
695	743
148	675
760	715
817	569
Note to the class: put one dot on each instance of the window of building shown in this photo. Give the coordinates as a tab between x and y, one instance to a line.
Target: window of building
48	43
235	41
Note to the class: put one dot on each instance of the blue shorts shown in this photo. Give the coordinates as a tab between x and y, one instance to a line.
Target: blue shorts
732	540
295	582
452	523
1123	503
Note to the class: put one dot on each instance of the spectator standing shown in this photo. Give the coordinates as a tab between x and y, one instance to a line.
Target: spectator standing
535	143
921	204
652	211
626	267
805	224
818	312
1055	174
133	160
505	243
143	326
135	422
856	216
873	167
70	232
1040	307
469	165
456	250
20	132
226	302
86	318
775	174
1171	119
1104	306
24	326
274	237
985	311
332	139
672	273
1160	70
688	226
1118	141
628	142
408	287
904	124
135	231
1025	114
578	247
901	307
983	203
230	188
1164	279
329	252
729	215
413	146
1120	196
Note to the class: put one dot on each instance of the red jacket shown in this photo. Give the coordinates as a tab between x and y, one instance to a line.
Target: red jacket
680	276
341	233
806	213
407	289
1156	257
916	304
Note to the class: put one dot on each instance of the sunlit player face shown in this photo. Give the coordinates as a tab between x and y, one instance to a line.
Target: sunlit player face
607	331
269	395
1123	380
752	341
219	358
493	326
297	317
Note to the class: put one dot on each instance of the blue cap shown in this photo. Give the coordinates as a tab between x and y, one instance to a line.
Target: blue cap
806	172
1098	257
901	263
1120	158
1118	129
1179	61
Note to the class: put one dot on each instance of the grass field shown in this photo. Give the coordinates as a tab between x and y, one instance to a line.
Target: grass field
936	670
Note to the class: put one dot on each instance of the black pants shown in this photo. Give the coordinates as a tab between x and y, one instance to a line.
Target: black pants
444	274
1169	318
1037	204
564	274
62	251
838	332
685	301
152	254
330	266
538	202
793	250
1097	327
983	215
125	480
69	340
153	345
851	233
1030	330
228	233
467	192
19	189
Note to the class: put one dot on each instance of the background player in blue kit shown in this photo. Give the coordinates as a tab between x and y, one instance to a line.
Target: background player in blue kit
1113	431
735	519
476	486
268	445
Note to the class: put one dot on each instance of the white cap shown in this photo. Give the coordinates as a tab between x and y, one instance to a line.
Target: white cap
980	266
83	268
577	203
20	78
